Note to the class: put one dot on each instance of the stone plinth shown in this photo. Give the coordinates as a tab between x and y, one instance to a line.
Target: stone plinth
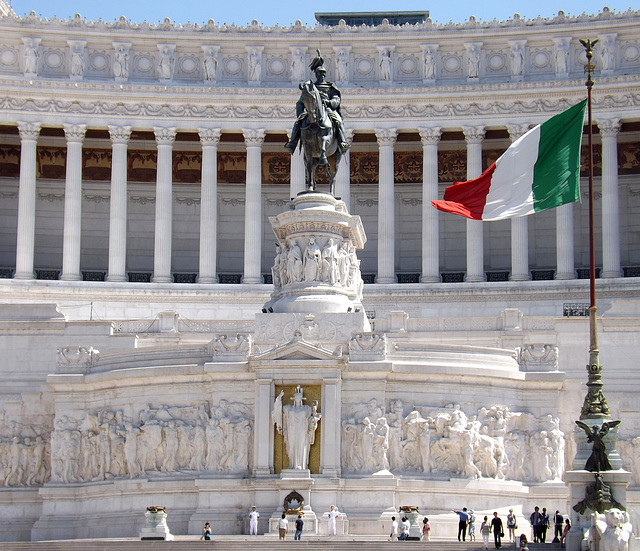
316	269
155	527
578	481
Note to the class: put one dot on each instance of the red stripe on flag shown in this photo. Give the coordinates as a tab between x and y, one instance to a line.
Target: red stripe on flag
467	198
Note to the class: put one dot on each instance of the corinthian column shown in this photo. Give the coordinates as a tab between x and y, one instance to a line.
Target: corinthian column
519	225
209	138
430	138
118	203
253	138
25	246
343	178
164	204
473	135
72	203
386	207
565	268
609	130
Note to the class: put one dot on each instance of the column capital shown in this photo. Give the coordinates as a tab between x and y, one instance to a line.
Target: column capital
254	137
164	136
74	132
119	134
430	135
609	128
473	134
29	130
209	136
386	136
516	131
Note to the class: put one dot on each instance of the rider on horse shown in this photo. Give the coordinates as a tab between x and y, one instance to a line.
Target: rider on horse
331	98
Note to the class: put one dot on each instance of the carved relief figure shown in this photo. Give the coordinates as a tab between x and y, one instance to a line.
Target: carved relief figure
31	56
312	260
342	65
429	61
121	63
517	60
473	62
77	64
210	66
385	64
298	65
255	65
165	65
562	59
297	423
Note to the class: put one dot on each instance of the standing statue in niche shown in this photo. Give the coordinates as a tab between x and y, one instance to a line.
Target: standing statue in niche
298	424
598	460
319	126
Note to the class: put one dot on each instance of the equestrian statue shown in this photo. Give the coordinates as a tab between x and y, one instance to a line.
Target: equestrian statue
319	127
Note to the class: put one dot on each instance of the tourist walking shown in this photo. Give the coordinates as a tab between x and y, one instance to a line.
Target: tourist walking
497	529
544	526
536	521
512	525
558	521
394	529
253	521
472	526
485	530
426	530
283	527
299	526
567	527
463	520
333	515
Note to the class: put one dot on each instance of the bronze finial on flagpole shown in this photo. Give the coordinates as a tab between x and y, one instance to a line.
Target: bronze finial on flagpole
595	404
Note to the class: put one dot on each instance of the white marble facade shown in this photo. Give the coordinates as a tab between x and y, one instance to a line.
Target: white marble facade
430	394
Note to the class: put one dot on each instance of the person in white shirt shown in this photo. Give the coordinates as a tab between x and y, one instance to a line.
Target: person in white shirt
283	527
394	529
333	515
253	521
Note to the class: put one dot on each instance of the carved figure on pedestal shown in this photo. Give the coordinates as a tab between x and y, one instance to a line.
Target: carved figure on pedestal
77	64
210	66
31	56
319	125
121	63
342	65
255	65
165	65
294	262
385	64
297	65
429	59
312	260
298	424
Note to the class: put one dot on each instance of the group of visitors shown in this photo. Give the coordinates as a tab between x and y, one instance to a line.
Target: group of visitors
541	523
400	530
494	527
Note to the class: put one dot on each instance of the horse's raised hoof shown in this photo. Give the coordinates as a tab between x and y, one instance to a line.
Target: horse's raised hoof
344	147
323	161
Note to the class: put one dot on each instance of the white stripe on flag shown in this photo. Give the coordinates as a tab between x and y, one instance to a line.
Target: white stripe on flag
511	191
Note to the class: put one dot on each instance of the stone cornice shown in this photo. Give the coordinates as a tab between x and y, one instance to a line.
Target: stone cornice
124	26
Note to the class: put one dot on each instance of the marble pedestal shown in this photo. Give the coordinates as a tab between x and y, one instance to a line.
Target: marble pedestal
155	527
578	481
299	481
316	269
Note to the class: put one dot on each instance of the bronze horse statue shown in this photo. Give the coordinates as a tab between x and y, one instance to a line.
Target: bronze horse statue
318	138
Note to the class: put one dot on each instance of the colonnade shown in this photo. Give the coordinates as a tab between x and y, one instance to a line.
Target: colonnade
254	139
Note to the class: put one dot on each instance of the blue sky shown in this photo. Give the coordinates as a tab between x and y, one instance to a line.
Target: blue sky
286	12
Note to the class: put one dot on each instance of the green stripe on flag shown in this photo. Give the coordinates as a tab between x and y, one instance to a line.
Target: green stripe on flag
556	174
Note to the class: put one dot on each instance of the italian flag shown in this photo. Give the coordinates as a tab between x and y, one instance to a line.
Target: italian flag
539	171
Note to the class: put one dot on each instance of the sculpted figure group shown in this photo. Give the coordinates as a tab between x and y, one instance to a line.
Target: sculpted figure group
168	439
24	455
300	260
495	443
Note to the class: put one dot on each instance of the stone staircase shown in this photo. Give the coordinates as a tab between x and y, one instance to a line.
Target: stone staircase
244	543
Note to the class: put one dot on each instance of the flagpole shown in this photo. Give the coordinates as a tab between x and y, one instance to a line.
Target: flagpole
595	404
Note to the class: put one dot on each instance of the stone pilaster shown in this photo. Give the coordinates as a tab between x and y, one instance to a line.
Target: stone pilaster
474	135
118	203
72	203
331	426
386	207
519	225
609	130
430	138
253	139
25	247
263	429
209	138
343	178
164	205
